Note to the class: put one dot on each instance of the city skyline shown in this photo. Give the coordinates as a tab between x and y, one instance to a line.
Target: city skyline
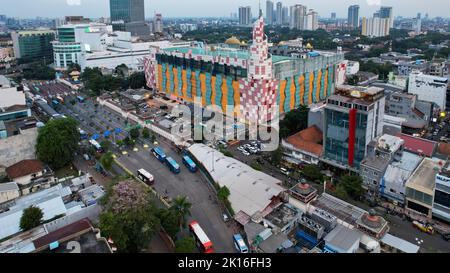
194	8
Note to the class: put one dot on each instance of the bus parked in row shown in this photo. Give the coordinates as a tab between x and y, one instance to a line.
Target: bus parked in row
173	165
159	154
239	243
189	163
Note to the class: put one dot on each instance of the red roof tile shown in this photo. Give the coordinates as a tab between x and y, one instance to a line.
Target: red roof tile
24	167
308	140
418	145
444	148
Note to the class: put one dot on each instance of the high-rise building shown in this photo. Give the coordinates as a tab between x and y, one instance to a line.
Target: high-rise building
158	23
285	16
375	26
129	15
353	118
298	17
386	12
312	20
333	16
269	12
353	16
279	13
417	25
33	45
245	16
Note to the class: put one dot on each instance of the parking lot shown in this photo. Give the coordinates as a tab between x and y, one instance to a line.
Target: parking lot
205	208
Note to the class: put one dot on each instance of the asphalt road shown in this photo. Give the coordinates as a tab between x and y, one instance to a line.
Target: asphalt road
193	185
405	230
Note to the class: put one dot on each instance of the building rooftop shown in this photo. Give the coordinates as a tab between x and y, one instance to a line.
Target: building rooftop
251	191
376	162
357	94
303	189
308	140
418	145
273	243
24	167
282	215
10	186
400	244
424	177
342	237
339	208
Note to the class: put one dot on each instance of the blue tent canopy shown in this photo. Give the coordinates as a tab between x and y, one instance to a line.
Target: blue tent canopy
95	136
117	130
107	133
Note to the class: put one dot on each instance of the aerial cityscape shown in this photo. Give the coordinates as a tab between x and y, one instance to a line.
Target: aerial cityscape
132	126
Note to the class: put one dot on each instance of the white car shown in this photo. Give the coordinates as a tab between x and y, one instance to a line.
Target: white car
246	153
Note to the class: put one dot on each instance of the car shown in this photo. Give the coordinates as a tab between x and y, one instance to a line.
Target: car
246	153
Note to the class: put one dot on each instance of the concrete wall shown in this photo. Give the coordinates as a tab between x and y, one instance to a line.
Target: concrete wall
16	148
9	195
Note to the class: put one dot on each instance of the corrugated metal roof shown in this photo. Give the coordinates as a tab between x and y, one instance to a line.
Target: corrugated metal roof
399	244
10	186
251	191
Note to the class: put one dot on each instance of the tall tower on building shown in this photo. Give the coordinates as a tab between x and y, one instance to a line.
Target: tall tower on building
312	20
269	12
128	15
285	15
353	16
158	23
258	99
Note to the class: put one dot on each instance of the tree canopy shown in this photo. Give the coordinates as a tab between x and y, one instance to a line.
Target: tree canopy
31	218
107	161
39	71
134	133
129	217
185	245
182	208
312	172
294	121
223	193
57	142
351	185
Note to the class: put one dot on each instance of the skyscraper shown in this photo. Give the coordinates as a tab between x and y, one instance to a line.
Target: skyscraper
333	16
386	12
298	15
269	12
285	16
353	16
158	23
129	15
279	13
245	16
312	20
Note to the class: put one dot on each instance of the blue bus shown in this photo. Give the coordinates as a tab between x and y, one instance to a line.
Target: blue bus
80	99
189	163
239	243
159	154
173	165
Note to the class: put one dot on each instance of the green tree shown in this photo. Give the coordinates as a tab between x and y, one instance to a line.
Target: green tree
74	67
169	221
182	208
57	142
277	156
185	245
352	185
39	71
127	141
107	161
294	121
153	138
145	133
137	80
122	70
134	133
31	218
256	166
106	145
223	193
312	172
129	217
341	193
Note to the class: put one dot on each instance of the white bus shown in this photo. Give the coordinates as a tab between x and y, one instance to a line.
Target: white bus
146	177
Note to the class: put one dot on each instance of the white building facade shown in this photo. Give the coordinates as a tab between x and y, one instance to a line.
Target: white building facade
428	88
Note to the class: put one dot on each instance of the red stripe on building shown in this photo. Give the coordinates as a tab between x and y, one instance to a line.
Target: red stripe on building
351	136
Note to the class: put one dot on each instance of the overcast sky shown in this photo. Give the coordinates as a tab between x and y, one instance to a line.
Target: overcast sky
197	8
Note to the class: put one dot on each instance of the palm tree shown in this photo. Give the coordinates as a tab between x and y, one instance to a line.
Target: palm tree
182	207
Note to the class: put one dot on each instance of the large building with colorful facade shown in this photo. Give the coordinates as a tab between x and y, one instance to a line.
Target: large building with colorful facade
239	78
